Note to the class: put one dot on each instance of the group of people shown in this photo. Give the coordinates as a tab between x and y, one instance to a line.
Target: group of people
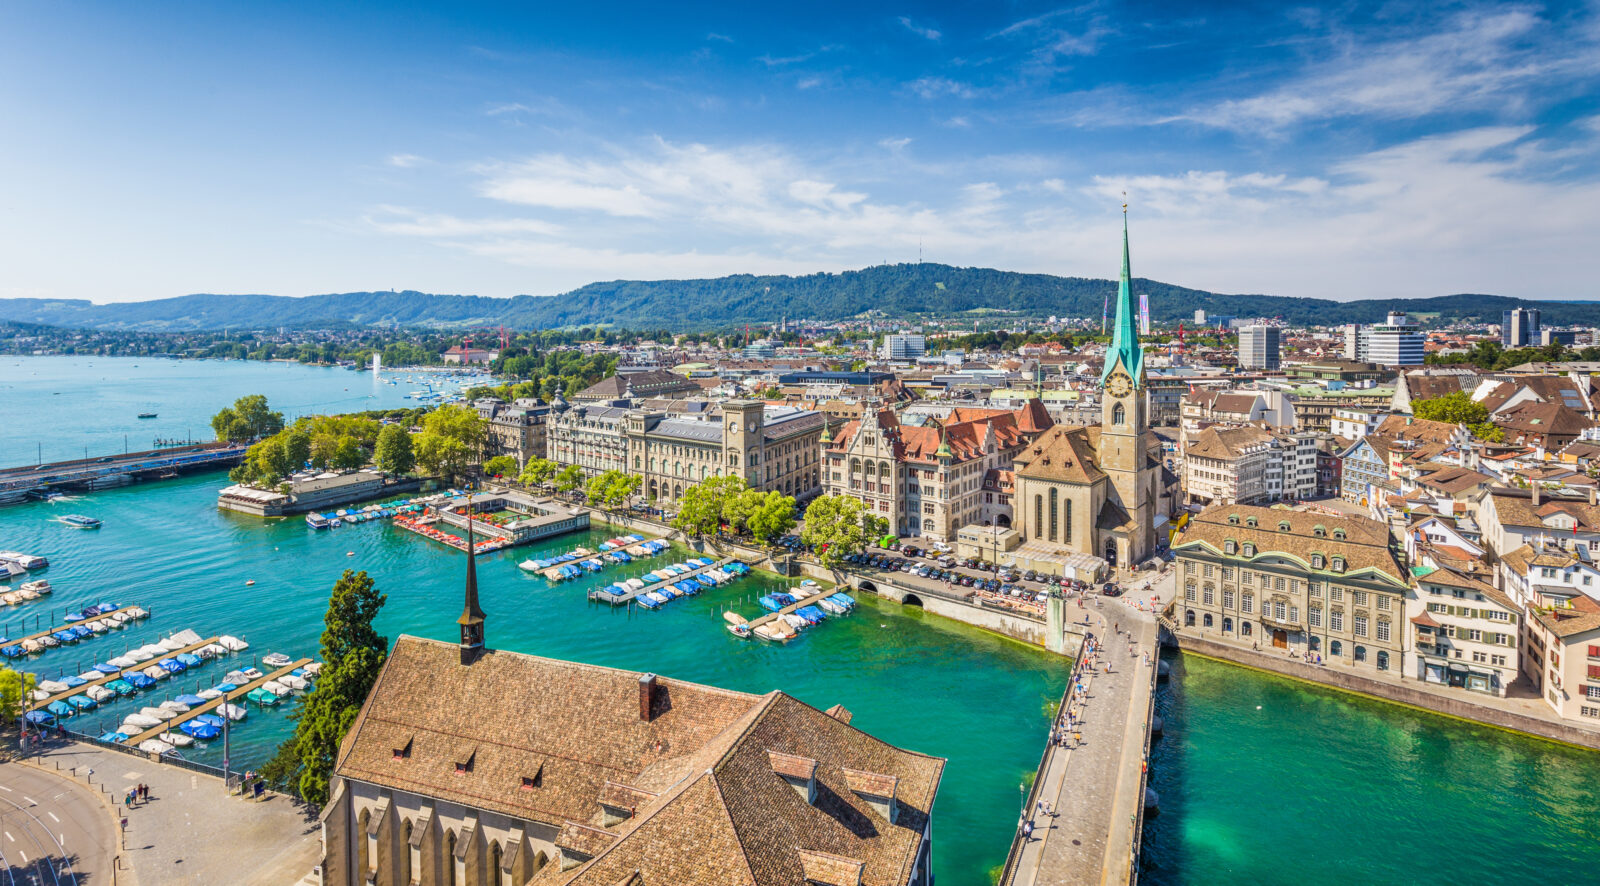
139	793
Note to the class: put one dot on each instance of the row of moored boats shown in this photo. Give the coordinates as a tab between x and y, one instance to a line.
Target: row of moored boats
581	561
788	625
661	586
90	622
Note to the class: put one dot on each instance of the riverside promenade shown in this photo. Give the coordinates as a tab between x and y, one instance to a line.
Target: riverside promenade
1095	787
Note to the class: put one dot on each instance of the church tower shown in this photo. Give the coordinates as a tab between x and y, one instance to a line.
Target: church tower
471	620
1123	423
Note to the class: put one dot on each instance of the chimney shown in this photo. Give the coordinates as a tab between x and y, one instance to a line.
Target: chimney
647	695
1535	487
1594	496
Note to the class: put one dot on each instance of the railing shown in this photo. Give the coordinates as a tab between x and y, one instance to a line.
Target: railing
1014	857
231	779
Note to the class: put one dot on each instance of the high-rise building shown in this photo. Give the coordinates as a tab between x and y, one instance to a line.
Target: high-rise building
1519	328
1259	347
904	347
1199	316
1396	342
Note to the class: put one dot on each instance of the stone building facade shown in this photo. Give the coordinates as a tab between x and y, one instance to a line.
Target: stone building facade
1294	580
772	448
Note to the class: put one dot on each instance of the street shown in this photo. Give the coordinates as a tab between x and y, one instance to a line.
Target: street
52	830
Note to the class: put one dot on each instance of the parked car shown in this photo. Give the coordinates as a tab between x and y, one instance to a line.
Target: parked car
1111	590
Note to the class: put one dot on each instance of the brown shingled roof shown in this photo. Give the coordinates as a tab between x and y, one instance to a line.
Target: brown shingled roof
825	869
1364	547
871	783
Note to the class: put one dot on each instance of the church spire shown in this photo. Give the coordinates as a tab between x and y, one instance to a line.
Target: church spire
471	620
1125	334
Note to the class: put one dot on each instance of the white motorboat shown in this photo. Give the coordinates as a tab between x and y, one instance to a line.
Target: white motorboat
275	660
161	714
313	669
140	722
99	693
177	739
156	746
175	706
209	694
156	672
51	687
231	711
276	688
122	661
232	644
293	682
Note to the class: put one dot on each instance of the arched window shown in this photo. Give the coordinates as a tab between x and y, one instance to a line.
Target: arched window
1038	516
1188	617
872	469
450	858
1245	628
364	857
855	465
1227	625
1361	653
884	469
1335	647
928	525
1053	509
1119	415
1066	530
1207	620
1383	660
636	461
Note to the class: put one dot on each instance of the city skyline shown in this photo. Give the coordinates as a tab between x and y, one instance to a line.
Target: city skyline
1400	152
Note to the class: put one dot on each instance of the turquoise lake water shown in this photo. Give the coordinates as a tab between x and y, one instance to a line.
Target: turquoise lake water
1311	787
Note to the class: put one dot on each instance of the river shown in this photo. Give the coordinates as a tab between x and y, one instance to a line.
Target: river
1262	780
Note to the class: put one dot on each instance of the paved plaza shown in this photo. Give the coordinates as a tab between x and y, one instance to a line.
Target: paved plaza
190	831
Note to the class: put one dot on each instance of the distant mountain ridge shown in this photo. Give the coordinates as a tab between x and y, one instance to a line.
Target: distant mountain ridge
897	290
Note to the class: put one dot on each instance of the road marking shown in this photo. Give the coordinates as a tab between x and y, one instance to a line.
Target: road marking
53	818
4	788
31	801
24	856
9	837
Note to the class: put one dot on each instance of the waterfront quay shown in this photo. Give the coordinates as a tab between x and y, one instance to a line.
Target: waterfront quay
20	483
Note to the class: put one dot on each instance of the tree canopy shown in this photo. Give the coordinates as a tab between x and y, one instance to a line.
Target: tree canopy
835	527
773	516
14	689
704	505
247	419
353	652
538	471
611	489
450	440
501	466
1460	409
394	453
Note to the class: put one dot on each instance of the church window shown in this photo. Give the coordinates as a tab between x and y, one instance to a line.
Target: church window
1053	509
1038	516
1066	534
1119	415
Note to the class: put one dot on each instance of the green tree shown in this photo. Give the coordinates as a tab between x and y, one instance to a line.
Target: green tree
394	452
500	466
247	419
538	471
611	489
14	689
570	478
1460	409
297	448
834	527
349	455
353	653
773	517
701	508
451	437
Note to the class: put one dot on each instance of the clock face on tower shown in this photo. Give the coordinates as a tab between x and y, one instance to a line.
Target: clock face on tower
1119	385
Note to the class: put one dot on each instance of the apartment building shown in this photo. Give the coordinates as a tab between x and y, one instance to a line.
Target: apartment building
1247	465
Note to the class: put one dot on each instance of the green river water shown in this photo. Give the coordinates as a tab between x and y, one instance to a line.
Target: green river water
1262	780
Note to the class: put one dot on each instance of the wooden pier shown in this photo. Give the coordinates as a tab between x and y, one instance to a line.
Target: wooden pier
208	707
605	596
799	604
65	626
78	690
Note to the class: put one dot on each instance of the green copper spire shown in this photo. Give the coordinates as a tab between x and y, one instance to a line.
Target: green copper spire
1125	334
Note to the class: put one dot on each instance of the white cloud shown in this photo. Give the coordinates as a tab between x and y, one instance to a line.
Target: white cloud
1477	60
922	31
722	38
939	87
405	161
1464	212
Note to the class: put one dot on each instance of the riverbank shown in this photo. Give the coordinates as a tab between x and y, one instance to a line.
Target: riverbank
1413	694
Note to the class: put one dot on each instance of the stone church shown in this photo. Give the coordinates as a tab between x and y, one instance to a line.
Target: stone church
1097	490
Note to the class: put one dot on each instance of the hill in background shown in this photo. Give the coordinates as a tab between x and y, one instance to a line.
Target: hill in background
896	290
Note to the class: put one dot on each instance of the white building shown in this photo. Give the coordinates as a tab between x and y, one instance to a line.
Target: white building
1395	342
901	346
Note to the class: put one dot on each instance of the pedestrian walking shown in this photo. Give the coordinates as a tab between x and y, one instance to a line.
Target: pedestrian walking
1027	831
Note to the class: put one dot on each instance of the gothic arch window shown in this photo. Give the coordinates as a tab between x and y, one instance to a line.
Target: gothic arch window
1066	531
363	856
450	858
855	465
1038	516
1119	415
1054	506
872	469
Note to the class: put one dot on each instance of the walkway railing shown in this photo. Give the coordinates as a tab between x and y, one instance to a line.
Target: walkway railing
1014	857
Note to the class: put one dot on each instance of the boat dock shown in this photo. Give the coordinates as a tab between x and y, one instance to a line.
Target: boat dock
208	707
78	690
812	600
605	596
65	626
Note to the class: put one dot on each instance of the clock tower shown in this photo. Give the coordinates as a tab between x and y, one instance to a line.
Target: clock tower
1124	440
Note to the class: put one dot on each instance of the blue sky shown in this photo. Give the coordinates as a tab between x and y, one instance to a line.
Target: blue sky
1387	150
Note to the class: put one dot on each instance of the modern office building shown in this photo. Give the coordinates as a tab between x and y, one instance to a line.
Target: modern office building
904	347
1260	347
1519	328
1396	342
